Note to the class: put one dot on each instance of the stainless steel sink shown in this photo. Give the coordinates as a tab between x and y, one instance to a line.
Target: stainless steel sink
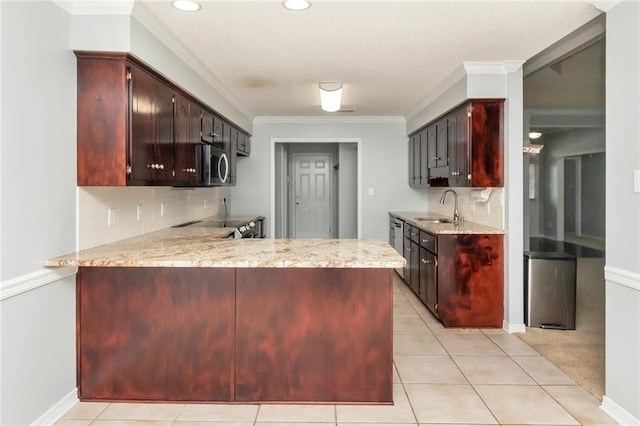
433	219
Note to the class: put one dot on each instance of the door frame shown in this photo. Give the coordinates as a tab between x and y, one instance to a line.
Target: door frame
272	161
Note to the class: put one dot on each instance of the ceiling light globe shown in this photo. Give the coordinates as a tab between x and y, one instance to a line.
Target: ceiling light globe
186	5
296	4
330	96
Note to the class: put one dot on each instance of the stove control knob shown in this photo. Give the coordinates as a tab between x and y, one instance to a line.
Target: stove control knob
242	228
252	224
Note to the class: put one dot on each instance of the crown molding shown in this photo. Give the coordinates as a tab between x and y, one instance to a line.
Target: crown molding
320	119
604	5
501	67
463	71
96	7
146	18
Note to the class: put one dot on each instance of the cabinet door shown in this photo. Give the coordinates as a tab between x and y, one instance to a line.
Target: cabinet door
233	155
415	267
429	265
432	147
163	148
206	129
187	134
486	146
216	135
416	160
441	153
458	123
424	158
412	171
407	257
142	125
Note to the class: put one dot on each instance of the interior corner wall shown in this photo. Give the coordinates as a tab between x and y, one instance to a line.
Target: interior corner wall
38	199
622	270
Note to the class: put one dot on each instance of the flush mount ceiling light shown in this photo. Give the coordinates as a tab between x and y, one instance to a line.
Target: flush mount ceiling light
330	96
535	135
296	4
186	5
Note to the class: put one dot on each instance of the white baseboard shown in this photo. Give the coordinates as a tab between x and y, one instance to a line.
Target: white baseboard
513	328
618	413
24	283
622	277
53	414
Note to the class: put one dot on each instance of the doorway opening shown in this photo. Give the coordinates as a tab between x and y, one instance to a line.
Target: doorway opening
564	211
316	188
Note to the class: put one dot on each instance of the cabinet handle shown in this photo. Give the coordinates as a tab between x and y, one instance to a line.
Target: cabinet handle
425	261
436	158
155	166
189	170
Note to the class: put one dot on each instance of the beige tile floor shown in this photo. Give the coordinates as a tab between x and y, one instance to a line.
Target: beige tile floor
442	376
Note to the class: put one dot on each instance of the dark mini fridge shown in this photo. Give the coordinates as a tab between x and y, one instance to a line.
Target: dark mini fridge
550	290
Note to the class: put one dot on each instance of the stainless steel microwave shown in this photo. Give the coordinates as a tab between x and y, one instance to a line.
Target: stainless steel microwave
215	165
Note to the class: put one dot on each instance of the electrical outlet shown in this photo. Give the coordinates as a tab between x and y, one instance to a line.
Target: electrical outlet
139	212
204	204
161	209
111	217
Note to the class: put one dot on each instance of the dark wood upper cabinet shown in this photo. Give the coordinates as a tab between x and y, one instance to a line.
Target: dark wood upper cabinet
135	127
103	114
187	116
465	146
244	144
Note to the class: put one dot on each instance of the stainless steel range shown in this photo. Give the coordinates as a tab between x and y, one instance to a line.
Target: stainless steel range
242	228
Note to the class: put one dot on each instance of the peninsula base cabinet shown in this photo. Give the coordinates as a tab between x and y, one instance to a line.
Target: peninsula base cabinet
460	276
321	335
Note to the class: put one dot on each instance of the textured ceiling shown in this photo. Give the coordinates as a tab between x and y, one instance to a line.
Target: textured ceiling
389	54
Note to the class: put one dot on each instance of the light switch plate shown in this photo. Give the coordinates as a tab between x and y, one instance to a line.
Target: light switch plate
636	181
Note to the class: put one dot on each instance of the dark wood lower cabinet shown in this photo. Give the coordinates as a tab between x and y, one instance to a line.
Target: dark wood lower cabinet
320	335
471	280
224	334
462	280
155	334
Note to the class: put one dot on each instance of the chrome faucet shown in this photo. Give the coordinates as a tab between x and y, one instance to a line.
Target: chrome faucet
456	215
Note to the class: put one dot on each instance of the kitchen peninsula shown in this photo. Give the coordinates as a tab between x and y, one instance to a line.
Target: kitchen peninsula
183	314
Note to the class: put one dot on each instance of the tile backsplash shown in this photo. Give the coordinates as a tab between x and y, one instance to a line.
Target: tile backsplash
142	209
490	212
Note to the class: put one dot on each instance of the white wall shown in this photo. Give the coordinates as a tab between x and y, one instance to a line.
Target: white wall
622	270
383	166
38	176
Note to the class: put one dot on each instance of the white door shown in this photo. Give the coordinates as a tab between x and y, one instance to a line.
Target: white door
312	196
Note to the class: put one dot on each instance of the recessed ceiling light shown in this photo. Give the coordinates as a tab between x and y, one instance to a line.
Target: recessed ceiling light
186	5
535	135
296	4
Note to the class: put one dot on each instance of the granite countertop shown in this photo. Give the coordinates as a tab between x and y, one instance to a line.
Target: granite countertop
207	247
444	228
